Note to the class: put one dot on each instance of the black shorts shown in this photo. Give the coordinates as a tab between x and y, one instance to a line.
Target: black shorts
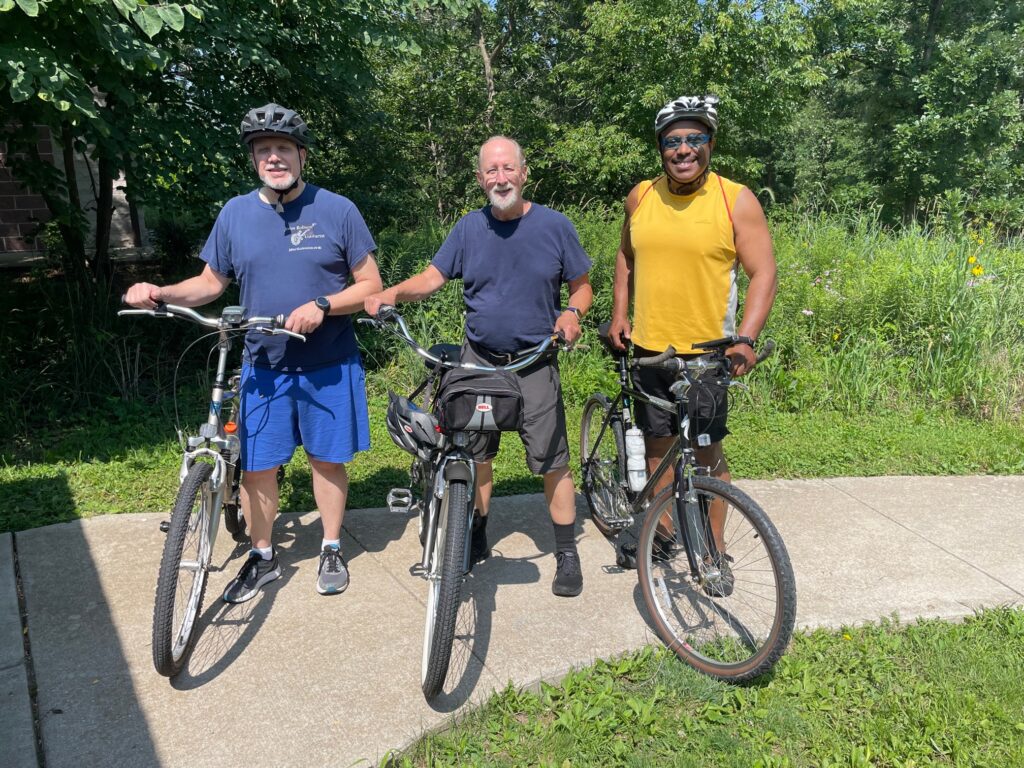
708	406
543	433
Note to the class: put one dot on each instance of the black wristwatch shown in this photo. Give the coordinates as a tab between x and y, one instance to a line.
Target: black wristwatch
745	340
575	311
322	302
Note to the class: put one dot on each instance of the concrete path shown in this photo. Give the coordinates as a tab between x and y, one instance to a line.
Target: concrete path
306	680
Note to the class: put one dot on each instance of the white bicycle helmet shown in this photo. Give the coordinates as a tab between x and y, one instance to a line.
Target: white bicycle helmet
699	108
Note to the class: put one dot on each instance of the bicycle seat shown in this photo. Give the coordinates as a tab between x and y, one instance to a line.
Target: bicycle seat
450	353
602	332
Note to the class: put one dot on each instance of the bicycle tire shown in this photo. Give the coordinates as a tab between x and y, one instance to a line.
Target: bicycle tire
178	597
735	632
603	465
447	565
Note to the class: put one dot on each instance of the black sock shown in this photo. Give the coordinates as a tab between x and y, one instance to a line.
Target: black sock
565	537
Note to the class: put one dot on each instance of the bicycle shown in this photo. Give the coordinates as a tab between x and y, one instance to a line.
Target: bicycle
714	573
443	476
208	484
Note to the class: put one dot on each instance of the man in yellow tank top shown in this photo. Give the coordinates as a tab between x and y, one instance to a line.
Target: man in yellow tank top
683	236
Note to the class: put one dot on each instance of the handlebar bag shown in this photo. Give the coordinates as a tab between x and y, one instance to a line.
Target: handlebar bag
479	401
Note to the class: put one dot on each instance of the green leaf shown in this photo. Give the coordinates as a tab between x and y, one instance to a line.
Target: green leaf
148	19
126	7
6	5
30	7
193	11
173	16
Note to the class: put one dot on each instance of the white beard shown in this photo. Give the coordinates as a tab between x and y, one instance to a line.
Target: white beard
503	203
279	186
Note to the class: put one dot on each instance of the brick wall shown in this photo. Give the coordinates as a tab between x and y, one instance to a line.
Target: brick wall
21	213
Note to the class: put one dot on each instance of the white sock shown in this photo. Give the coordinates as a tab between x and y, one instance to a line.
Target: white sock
336	543
265	552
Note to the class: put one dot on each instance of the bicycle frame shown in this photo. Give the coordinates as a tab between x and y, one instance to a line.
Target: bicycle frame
680	457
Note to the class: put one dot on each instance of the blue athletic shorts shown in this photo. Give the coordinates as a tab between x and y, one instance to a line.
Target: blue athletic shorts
323	410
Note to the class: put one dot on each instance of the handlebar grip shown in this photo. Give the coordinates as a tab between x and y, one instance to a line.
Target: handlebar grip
647	362
766	351
279	320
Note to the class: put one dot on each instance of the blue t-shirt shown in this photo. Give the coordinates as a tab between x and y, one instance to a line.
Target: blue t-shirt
282	261
512	273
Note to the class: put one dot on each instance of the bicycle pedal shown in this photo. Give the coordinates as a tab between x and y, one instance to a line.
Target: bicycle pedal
165	526
399	500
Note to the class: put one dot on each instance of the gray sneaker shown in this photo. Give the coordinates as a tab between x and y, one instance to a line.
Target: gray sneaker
251	577
332	576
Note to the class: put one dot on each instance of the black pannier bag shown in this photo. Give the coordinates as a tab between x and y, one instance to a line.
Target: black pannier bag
479	401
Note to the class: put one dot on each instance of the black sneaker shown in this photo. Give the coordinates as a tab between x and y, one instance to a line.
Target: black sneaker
332	575
255	572
719	580
664	549
568	576
478	549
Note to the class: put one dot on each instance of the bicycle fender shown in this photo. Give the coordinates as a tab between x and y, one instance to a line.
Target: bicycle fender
458	470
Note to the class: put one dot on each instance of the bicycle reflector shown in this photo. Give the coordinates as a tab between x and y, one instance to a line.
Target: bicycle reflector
230	427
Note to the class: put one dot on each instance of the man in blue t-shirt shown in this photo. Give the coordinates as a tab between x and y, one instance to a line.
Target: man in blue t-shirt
306	253
513	256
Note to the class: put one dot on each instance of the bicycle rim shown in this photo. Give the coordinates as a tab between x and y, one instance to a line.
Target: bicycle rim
733	628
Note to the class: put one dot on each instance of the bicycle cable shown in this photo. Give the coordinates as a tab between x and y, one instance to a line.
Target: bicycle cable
174	380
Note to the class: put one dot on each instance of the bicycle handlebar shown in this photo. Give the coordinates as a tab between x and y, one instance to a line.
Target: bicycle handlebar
388	317
268	325
668	361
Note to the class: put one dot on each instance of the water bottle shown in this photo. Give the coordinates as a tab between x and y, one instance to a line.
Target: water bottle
636	459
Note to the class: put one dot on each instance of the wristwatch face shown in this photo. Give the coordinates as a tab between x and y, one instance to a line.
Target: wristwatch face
323	303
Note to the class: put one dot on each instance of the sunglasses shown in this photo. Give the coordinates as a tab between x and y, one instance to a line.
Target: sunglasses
693	141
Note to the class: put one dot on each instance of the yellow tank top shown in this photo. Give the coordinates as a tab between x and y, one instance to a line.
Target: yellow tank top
684	264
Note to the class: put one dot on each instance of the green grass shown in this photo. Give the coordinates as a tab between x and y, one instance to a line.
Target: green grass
926	694
129	462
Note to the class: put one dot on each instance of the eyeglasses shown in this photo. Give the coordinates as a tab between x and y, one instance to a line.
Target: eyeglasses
693	141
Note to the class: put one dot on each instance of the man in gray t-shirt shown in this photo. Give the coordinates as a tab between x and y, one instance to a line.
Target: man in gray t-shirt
513	256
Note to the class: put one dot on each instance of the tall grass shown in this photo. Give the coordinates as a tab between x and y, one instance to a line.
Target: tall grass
866	318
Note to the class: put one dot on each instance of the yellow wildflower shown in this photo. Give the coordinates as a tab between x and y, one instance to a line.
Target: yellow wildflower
846	636
971	259
978	271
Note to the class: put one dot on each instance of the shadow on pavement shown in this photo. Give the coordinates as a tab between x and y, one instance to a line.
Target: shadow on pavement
78	620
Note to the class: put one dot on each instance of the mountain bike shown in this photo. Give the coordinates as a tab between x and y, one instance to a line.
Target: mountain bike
459	400
208	486
714	573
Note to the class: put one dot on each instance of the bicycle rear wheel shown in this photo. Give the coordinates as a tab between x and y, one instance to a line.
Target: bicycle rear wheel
603	467
445	586
183	570
734	618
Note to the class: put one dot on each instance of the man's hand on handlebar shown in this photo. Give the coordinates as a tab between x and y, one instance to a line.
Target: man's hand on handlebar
305	318
619	332
742	357
143	296
567	328
375	301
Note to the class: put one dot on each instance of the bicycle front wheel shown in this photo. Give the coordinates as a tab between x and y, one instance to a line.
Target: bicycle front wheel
445	586
183	570
603	463
732	616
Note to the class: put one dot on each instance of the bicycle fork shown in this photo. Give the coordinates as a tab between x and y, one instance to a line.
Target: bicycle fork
693	521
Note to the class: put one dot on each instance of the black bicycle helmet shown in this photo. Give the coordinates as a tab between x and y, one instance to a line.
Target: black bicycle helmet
699	108
275	120
412	429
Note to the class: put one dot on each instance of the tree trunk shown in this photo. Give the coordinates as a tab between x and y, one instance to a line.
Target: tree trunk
104	211
488	57
68	221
